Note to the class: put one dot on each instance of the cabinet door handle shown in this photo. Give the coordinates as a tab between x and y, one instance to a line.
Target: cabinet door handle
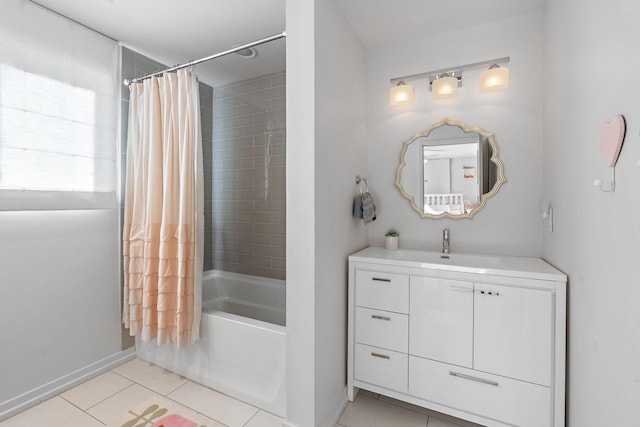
379	279
460	288
375	316
381	356
472	378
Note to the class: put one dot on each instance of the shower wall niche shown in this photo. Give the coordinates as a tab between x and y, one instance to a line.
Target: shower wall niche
247	201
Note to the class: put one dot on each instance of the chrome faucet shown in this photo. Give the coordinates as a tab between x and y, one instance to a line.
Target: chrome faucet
445	241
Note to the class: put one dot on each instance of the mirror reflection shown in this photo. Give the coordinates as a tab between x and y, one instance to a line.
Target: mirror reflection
449	170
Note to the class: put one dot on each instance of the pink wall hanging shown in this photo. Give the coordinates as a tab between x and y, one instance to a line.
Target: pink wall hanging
611	138
612	135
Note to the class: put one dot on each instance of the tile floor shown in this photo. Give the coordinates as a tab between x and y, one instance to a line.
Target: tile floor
373	410
106	398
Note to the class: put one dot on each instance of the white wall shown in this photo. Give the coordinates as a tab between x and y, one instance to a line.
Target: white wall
59	298
459	184
340	155
301	215
326	148
438	176
592	68
59	270
510	222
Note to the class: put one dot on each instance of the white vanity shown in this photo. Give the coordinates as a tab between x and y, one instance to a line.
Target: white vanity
478	337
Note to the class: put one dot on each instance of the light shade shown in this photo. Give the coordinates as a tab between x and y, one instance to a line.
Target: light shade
400	95
494	79
444	87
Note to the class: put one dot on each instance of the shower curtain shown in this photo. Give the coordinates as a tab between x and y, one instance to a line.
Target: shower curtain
163	233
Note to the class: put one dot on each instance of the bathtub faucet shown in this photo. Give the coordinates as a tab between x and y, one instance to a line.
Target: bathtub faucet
445	241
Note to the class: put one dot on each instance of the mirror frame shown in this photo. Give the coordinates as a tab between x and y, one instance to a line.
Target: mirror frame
501	179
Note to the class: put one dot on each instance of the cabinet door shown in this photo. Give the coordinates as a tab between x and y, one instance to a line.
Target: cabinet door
513	332
441	320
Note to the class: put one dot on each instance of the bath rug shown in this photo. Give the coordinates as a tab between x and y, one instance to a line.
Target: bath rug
150	414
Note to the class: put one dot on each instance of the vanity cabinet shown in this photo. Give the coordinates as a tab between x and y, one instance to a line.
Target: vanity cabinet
486	344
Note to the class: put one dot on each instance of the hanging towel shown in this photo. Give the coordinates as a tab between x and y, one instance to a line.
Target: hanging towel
368	208
357	206
364	208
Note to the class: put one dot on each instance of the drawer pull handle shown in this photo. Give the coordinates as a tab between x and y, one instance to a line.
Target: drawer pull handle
379	279
375	316
460	289
381	356
469	377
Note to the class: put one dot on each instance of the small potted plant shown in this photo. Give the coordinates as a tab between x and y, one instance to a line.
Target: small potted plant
391	239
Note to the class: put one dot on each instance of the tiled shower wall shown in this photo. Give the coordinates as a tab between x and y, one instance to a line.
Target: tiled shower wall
248	157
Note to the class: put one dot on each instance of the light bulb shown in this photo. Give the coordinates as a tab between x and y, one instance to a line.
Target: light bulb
401	94
444	88
494	79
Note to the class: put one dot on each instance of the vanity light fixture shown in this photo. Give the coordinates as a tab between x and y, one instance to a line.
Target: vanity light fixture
444	83
401	94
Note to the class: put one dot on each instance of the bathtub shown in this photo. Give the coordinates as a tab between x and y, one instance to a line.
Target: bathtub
241	351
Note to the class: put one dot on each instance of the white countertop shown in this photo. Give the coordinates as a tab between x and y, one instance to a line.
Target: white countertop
498	265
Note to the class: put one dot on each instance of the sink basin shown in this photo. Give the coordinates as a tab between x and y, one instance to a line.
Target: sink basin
454	259
468	260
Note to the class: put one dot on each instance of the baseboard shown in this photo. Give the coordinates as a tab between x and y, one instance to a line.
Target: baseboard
46	391
340	405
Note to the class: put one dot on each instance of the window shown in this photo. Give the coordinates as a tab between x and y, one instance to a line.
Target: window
57	115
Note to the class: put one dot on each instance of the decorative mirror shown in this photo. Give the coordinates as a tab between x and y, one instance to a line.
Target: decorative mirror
449	170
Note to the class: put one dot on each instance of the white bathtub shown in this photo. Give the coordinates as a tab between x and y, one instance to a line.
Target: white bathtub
241	351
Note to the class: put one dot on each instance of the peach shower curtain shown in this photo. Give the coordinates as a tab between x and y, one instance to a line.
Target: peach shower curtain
163	211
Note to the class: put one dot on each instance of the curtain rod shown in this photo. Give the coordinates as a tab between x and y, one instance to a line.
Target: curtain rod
283	34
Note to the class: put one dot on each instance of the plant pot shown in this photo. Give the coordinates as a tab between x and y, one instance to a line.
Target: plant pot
391	242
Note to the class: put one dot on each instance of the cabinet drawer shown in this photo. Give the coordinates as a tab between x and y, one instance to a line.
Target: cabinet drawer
384	291
384	368
503	399
383	329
